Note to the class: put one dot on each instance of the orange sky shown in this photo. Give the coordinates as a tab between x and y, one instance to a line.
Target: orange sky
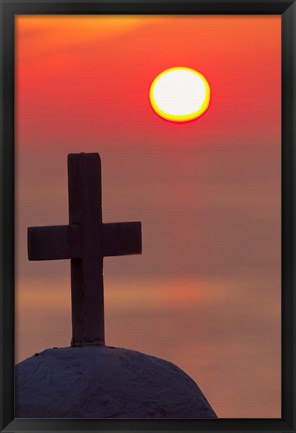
205	293
84	74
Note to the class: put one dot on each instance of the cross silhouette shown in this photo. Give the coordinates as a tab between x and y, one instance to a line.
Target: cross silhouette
86	241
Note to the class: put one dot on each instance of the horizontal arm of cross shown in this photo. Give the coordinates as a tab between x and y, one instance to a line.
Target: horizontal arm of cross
120	239
55	242
66	241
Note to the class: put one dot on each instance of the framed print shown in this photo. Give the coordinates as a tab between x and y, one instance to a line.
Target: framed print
147	216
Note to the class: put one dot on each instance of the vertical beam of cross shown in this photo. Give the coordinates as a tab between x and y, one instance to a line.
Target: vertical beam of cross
85	241
87	285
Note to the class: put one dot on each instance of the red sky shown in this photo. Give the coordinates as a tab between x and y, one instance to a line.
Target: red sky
82	76
205	294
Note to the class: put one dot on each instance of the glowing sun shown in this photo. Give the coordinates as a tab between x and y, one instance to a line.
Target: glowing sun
180	94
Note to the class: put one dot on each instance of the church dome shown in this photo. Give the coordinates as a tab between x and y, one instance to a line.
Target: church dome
105	382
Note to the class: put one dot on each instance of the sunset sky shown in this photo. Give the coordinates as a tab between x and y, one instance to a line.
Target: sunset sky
205	294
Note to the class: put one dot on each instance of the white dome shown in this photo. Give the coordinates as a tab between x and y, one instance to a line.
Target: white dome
105	382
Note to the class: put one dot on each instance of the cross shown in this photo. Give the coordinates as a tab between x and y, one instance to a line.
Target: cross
86	240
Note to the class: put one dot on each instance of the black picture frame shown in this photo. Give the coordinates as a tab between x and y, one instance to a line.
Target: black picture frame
11	8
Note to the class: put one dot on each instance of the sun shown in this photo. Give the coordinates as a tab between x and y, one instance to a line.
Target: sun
180	94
